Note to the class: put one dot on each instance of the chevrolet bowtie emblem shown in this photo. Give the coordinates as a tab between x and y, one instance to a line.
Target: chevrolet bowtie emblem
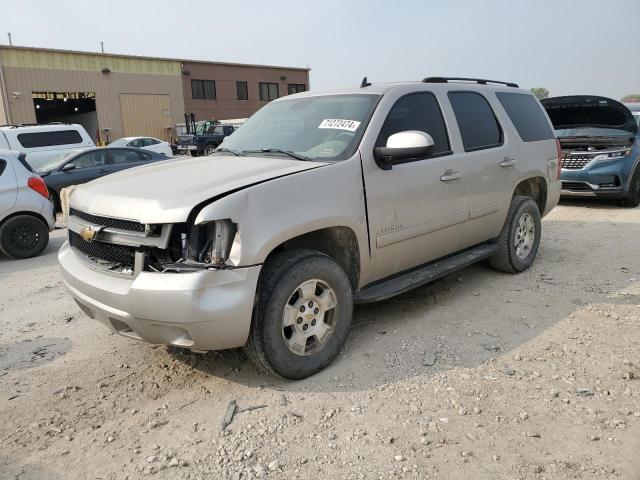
88	234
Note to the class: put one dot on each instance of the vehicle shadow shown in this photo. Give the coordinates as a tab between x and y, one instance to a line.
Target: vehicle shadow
590	202
460	320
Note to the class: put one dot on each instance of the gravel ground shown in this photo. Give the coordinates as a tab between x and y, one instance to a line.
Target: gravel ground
480	375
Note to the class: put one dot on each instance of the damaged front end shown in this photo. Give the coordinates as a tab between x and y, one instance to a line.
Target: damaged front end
215	244
127	247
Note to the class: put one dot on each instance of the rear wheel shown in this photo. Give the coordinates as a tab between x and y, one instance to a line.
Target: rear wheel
209	149
632	199
302	316
23	236
520	237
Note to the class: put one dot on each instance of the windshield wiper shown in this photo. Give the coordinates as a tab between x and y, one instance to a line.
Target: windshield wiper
227	150
277	150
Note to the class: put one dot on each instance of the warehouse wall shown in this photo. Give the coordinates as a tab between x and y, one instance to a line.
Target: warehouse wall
28	71
226	105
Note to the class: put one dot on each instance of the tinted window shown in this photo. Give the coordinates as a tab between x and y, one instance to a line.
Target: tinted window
417	111
49	139
526	115
296	88
151	141
3	165
268	91
203	89
243	93
138	142
478	124
90	159
127	156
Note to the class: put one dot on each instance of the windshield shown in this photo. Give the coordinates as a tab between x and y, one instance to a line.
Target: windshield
121	142
324	128
590	132
55	162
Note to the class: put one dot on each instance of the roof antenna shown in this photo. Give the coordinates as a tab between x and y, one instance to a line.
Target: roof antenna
364	83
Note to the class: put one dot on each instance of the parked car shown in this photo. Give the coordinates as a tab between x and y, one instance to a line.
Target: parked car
320	200
148	143
42	143
600	147
26	215
205	143
82	166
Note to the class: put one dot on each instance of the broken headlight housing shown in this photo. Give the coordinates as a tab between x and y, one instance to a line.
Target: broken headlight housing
215	243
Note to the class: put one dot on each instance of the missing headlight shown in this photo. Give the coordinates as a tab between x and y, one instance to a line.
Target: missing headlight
211	242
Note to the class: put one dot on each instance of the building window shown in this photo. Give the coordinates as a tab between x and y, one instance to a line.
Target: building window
268	91
203	89
243	92
296	88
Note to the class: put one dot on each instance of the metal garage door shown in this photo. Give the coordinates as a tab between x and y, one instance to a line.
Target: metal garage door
145	115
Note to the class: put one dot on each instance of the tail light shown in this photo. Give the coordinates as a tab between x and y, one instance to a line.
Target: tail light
37	183
559	148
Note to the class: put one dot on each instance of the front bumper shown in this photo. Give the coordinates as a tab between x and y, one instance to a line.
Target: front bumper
207	310
599	179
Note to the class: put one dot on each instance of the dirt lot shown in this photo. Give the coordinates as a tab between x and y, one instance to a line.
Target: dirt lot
481	375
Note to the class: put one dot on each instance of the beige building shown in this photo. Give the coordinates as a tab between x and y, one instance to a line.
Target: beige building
120	95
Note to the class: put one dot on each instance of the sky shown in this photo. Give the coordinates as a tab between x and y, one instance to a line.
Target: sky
566	46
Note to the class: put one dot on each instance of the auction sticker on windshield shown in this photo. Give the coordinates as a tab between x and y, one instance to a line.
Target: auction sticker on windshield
338	124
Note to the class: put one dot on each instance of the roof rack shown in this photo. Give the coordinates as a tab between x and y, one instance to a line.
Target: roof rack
480	81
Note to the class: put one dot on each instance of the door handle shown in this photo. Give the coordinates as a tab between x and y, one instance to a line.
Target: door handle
450	175
508	162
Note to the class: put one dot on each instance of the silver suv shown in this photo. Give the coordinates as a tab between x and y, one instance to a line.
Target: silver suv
26	214
319	201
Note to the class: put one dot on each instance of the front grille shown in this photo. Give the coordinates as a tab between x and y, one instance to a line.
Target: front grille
575	186
107	252
575	162
108	222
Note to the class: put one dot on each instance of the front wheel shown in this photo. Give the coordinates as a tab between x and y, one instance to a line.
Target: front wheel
520	237
632	199
23	236
302	316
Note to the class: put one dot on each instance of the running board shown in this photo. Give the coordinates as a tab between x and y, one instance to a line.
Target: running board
419	276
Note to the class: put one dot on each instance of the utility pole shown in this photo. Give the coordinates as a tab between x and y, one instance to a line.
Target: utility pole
10	41
102	46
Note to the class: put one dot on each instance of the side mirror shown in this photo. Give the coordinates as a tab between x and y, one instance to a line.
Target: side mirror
68	167
403	146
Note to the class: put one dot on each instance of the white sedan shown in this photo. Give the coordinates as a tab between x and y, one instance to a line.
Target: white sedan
148	143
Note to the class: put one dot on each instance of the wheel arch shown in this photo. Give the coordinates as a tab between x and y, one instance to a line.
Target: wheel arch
27	212
535	188
340	243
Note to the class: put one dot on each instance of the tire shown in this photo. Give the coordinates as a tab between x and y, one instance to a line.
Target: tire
632	199
23	236
522	227
208	150
280	349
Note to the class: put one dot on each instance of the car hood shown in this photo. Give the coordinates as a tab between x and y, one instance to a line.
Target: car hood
166	192
589	111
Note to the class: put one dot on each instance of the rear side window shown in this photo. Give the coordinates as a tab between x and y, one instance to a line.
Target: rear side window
49	139
526	115
3	165
477	122
417	111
